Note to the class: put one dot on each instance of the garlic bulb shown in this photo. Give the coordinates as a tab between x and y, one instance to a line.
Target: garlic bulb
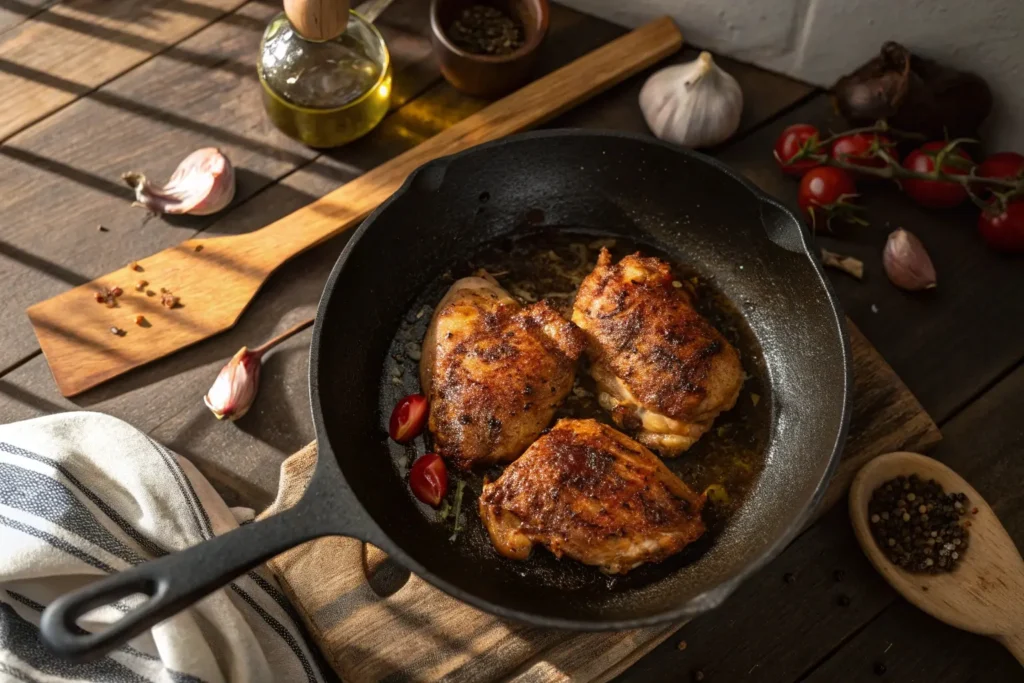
907	263
203	183
693	105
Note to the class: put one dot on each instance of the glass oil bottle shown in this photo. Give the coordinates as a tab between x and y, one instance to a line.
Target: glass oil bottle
324	90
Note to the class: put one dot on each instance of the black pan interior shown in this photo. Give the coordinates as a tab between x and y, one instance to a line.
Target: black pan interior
639	192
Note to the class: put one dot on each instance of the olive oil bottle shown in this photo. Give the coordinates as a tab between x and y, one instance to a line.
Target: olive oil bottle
325	73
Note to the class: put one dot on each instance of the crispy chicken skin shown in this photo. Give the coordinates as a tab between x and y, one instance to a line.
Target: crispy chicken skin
663	371
494	371
590	492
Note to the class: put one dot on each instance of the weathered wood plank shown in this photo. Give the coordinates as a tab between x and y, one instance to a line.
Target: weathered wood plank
146	120
915	648
14	12
88	42
947	344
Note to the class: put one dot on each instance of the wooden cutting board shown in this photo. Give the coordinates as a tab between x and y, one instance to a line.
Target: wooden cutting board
373	621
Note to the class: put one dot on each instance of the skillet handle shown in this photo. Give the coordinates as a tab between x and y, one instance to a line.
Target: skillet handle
173	582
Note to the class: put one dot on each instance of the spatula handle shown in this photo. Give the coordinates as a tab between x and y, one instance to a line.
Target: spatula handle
526	108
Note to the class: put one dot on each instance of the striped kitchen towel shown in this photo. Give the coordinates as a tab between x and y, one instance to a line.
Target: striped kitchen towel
83	495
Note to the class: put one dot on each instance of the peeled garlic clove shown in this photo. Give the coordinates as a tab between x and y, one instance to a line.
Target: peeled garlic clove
203	183
694	104
235	388
907	262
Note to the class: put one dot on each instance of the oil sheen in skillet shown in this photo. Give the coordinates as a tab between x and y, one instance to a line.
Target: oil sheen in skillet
549	265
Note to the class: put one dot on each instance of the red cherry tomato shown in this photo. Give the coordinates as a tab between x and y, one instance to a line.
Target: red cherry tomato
859	149
799	136
821	190
428	479
1006	165
1004	231
408	418
937	194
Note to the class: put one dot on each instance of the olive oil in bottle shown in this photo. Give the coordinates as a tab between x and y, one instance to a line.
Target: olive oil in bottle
325	93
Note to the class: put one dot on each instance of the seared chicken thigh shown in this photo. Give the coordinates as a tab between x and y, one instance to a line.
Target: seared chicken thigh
494	371
590	492
663	371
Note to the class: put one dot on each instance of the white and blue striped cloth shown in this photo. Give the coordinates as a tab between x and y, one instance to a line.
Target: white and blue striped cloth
83	495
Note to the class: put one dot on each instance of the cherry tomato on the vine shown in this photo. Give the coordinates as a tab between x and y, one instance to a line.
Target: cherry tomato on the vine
408	418
800	137
1004	165
860	149
824	192
937	194
428	479
1004	231
1007	165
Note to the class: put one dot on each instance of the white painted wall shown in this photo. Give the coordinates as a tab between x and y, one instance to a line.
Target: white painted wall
820	40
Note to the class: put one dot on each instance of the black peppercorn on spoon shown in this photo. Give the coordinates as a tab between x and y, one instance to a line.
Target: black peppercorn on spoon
984	592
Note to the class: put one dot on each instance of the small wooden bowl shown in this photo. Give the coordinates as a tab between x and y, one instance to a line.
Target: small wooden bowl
487	75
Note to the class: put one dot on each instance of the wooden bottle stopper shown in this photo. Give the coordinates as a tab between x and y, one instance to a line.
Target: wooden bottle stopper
317	19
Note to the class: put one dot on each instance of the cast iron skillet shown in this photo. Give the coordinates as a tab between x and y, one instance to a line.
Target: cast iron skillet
687	205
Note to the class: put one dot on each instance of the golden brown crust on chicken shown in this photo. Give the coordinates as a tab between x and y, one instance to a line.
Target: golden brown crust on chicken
663	370
494	371
588	491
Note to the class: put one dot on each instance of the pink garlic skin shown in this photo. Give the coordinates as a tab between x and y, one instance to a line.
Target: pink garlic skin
203	183
234	390
907	263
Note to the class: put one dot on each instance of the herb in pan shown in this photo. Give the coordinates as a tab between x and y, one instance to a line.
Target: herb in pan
457	513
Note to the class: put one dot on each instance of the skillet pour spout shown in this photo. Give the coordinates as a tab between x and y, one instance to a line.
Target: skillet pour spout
689	208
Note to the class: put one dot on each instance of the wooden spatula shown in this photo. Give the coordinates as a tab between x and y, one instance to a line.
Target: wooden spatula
87	343
985	593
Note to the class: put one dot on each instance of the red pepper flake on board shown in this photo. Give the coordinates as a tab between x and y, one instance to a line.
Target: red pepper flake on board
108	296
140	285
140	320
134	265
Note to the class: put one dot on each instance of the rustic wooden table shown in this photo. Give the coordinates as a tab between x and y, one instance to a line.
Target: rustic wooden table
96	87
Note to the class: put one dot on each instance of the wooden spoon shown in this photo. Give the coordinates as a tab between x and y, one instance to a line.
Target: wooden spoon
985	593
